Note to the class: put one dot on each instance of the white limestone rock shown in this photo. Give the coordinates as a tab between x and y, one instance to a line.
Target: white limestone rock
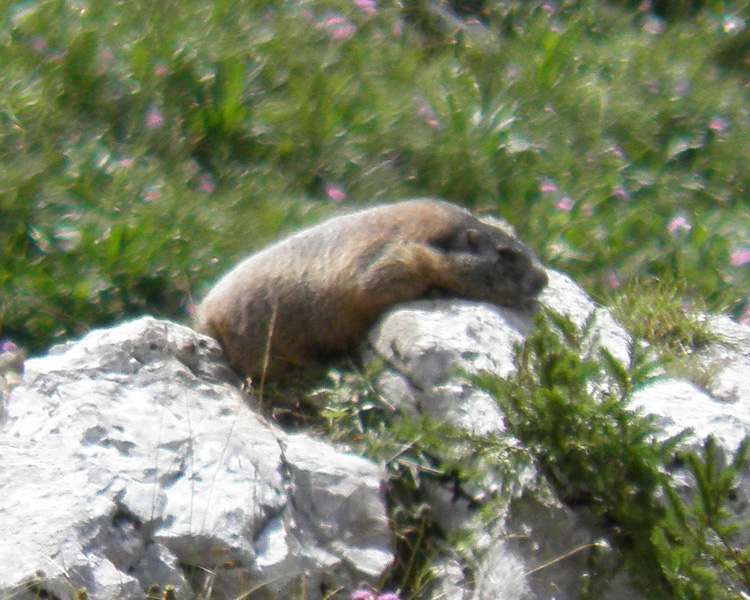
132	458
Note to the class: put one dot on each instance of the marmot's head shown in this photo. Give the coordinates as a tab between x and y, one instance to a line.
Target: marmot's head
496	266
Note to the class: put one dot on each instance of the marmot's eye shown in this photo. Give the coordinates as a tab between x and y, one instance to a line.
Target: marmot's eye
474	238
507	254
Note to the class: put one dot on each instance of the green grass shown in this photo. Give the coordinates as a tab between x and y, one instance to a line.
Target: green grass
658	313
145	147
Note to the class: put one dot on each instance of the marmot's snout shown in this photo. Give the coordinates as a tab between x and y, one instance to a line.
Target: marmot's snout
535	282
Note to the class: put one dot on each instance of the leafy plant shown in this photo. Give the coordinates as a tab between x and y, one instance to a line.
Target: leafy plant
699	542
569	407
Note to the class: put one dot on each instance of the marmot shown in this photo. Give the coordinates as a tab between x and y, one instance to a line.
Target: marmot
313	295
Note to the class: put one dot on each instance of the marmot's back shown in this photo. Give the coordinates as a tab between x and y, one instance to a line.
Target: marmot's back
313	295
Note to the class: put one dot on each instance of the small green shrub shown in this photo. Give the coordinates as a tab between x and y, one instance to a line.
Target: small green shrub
569	407
698	542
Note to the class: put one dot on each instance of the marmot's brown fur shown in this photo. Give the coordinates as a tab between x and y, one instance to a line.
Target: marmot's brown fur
313	295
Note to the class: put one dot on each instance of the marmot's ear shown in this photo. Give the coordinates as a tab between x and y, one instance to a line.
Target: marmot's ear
474	238
507	253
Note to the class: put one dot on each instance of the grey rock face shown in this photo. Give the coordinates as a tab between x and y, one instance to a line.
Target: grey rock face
426	342
131	458
729	361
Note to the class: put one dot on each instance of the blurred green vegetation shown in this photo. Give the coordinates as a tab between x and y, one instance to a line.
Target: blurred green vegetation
145	146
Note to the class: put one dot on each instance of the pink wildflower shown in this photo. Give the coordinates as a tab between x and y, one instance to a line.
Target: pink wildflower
613	280
38	44
154	118
368	6
740	257
55	56
206	183
339	27
547	187
745	317
152	193
654	25
678	224
362	595
620	193
565	203
107	56
548	8
335	193
388	596
8	347
160	69
718	125
732	24
426	111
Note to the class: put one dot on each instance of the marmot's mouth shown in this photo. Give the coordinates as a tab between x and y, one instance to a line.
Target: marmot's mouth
522	302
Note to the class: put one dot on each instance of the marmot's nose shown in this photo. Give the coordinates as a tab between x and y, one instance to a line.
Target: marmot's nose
535	283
